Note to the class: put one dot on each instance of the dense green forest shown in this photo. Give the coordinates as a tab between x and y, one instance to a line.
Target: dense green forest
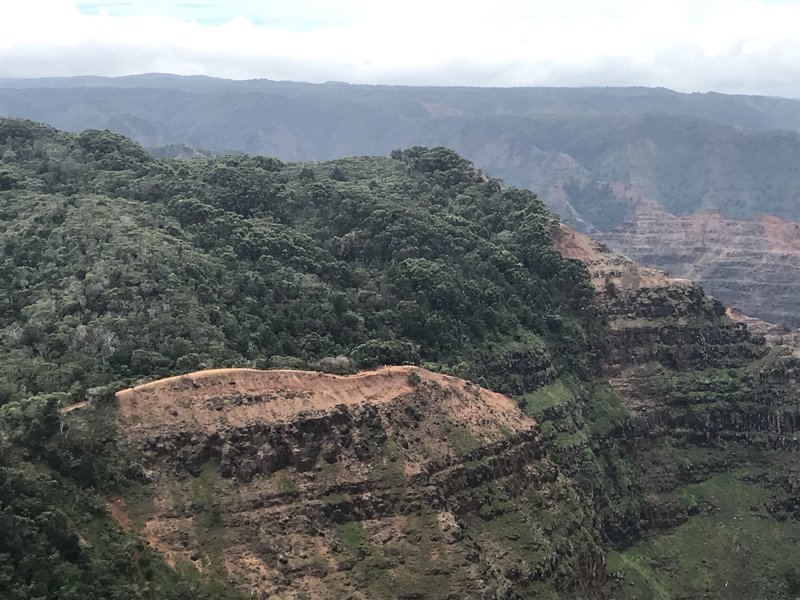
606	160
118	267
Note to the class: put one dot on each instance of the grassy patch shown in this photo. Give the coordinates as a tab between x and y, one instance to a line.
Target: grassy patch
547	397
208	527
737	550
139	504
335	498
351	535
389	464
417	577
604	410
284	484
462	440
415	565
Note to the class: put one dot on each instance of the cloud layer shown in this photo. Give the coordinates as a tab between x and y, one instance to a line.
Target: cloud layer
726	45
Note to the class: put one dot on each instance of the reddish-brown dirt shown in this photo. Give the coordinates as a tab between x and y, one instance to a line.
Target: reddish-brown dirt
407	441
606	266
119	512
75	406
282	395
782	236
751	264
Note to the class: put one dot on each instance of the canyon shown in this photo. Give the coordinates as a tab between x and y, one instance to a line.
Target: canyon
750	264
195	402
405	483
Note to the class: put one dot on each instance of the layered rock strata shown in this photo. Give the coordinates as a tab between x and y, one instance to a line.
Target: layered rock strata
393	483
691	373
753	265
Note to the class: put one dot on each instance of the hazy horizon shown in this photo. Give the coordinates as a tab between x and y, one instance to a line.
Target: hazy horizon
398	85
728	46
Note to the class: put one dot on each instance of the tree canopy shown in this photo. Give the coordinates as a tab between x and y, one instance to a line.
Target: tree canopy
118	267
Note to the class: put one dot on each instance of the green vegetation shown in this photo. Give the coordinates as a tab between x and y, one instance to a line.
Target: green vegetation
409	568
285	484
590	152
57	541
352	537
119	267
208	527
714	458
389	464
733	549
462	440
590	436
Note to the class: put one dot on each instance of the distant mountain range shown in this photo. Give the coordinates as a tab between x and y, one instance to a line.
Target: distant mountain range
606	159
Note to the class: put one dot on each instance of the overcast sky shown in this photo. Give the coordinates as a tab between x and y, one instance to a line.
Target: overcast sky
749	46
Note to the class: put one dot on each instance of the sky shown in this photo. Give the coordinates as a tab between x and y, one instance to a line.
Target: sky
734	46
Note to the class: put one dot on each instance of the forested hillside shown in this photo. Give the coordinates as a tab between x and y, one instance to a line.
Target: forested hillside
118	268
609	161
645	445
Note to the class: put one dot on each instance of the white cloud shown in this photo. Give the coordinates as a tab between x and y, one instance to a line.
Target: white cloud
727	45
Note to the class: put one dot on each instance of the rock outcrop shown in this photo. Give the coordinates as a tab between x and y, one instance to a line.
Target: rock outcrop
672	351
753	265
691	373
393	483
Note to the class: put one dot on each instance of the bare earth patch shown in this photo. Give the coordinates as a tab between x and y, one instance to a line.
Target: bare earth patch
606	266
304	484
199	399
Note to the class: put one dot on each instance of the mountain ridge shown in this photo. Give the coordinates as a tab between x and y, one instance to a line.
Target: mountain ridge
592	154
645	430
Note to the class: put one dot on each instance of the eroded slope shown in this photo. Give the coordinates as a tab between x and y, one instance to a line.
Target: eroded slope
716	411
751	264
392	483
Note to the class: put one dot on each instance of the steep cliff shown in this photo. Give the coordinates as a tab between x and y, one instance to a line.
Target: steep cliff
403	483
397	483
715	416
754	265
645	446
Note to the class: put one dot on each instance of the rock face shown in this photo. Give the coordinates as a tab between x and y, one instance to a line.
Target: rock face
753	265
778	335
393	483
694	379
402	483
715	406
677	357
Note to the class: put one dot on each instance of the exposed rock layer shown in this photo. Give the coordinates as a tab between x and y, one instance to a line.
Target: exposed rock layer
691	373
753	265
299	483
